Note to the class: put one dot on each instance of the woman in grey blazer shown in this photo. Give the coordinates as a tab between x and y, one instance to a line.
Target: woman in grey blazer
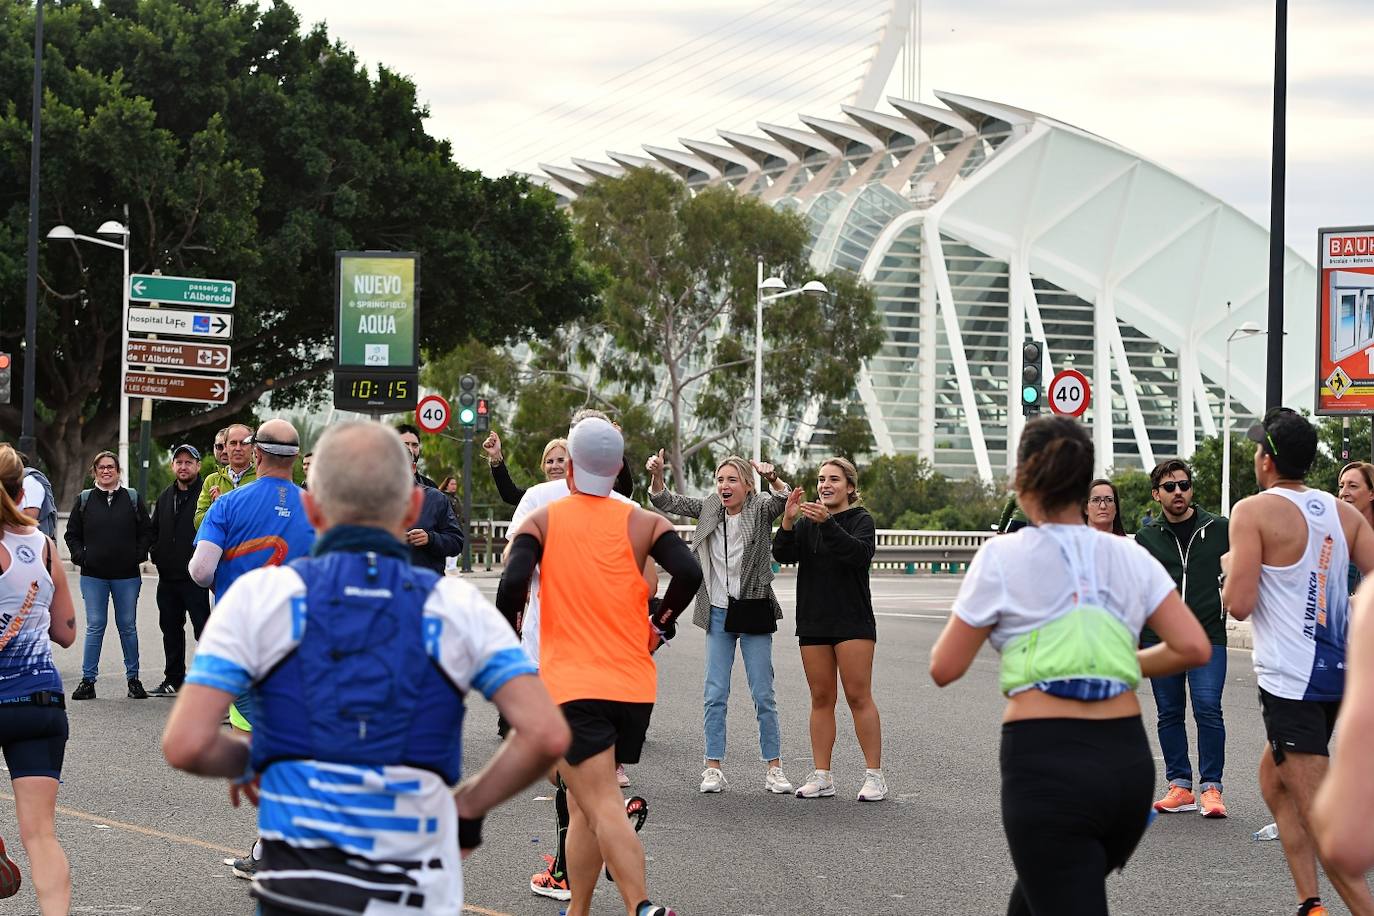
732	543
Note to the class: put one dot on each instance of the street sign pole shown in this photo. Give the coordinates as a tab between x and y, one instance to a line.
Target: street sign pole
145	428
124	363
467	498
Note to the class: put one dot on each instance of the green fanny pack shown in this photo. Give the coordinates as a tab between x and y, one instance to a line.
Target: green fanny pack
1087	642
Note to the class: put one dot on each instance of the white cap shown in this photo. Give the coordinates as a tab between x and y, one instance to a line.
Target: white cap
597	451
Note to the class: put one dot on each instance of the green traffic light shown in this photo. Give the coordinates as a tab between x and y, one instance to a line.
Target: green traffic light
467	416
1030	394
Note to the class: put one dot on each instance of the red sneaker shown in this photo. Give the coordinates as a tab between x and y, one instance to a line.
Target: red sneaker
1175	800
10	877
546	884
1212	805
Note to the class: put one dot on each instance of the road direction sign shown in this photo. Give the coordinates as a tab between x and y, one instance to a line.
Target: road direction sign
207	389
176	354
432	414
181	323
195	291
1069	393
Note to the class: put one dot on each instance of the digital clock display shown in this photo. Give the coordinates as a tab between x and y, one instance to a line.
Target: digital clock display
375	392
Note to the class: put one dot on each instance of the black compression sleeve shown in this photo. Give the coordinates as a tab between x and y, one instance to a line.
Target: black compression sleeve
673	555
515	580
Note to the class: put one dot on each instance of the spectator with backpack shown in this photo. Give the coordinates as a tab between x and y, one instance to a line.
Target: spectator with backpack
108	535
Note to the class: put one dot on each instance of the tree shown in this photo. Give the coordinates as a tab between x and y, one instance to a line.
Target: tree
246	150
679	310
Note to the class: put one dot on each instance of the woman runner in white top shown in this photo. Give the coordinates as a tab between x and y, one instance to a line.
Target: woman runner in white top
35	607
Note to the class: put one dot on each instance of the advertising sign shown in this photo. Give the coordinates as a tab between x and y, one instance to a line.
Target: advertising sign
1345	321
377	305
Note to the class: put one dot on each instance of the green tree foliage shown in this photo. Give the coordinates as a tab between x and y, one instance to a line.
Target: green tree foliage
905	491
248	150
679	309
1133	486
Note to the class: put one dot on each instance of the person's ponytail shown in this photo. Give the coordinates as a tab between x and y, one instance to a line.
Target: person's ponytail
11	489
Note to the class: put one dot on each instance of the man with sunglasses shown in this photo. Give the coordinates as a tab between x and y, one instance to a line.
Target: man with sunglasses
1188	542
1287	572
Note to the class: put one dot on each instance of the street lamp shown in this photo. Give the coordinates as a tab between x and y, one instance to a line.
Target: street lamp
120	230
1248	329
770	290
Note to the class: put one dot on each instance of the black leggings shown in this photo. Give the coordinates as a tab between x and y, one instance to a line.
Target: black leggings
1076	799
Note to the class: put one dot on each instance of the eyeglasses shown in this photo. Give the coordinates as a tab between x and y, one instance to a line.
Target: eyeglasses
1101	500
107	467
219	446
1181	486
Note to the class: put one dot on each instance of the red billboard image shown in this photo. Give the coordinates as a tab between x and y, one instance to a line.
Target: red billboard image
1345	321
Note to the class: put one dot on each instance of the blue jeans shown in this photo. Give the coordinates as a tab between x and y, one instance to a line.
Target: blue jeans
757	650
96	593
1205	684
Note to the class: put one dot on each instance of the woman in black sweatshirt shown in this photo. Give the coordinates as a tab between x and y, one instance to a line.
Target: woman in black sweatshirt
831	540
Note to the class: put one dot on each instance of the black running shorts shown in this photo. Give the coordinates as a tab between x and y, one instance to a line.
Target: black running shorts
34	739
1297	726
599	724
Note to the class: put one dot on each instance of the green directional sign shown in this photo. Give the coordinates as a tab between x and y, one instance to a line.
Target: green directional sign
182	290
377	305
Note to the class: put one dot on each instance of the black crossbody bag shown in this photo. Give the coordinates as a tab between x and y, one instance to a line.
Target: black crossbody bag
745	616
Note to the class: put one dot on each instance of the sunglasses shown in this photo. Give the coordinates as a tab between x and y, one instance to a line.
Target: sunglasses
1170	486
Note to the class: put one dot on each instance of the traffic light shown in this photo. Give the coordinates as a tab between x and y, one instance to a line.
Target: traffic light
1032	377
483	414
5	369
467	400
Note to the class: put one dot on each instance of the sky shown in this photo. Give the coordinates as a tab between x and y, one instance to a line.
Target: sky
1186	84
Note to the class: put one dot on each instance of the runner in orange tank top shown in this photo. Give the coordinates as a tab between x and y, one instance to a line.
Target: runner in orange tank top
596	647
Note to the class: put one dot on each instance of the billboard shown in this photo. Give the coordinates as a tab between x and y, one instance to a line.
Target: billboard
1345	321
377	310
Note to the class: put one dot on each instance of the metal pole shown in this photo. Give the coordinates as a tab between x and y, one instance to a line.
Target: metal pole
467	497
1226	435
124	360
27	442
1345	438
758	366
1274	375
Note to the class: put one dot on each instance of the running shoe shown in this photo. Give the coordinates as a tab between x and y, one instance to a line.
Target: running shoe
244	867
547	884
84	691
648	909
818	785
10	876
165	689
713	780
621	777
777	782
1212	805
637	810
1175	800
1312	906
875	787
136	691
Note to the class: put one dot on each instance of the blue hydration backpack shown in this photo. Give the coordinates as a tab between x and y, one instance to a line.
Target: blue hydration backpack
47	512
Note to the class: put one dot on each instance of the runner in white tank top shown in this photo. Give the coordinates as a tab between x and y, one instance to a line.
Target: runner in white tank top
1302	612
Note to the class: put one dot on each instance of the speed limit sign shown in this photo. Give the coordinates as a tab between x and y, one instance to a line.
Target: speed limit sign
432	414
1069	393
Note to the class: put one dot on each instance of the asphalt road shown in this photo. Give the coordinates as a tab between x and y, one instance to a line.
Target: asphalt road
143	839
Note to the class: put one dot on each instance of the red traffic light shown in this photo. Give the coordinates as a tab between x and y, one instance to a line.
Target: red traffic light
4	360
482	410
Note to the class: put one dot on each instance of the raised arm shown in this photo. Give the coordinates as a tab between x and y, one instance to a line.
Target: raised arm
666	500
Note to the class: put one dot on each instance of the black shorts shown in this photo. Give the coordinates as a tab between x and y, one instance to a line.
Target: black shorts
34	739
830	640
599	724
1298	726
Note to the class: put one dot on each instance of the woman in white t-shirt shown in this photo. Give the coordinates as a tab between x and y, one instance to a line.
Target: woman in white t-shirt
1064	605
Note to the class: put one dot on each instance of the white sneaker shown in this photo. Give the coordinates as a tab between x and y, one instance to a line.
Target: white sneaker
621	777
818	785
713	780
875	787
777	782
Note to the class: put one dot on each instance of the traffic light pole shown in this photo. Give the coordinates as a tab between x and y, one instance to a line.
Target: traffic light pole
467	498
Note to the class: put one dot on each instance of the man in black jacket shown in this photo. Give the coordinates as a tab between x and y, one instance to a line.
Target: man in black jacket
174	535
436	534
108	534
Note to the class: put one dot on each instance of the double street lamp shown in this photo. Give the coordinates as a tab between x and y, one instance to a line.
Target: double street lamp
771	290
1248	329
121	231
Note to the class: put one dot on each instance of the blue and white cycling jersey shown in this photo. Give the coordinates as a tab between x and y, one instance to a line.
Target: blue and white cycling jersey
351	838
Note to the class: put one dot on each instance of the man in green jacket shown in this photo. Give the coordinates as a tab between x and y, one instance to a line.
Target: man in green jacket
1189	542
237	472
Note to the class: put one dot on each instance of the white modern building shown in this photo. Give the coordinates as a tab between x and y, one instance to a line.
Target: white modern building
980	225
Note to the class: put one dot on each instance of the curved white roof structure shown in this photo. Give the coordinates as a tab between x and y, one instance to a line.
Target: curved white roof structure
981	224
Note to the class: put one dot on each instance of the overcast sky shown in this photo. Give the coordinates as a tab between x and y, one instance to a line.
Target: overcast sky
1186	83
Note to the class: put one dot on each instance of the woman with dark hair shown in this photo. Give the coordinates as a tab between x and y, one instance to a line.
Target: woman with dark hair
1103	508
735	604
832	541
1356	486
1064	605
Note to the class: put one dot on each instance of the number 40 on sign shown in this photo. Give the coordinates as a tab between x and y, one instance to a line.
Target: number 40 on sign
432	414
1069	393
